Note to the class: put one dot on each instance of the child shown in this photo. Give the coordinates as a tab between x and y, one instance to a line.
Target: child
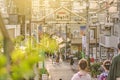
82	74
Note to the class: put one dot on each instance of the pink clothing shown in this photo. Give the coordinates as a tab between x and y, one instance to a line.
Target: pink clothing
81	76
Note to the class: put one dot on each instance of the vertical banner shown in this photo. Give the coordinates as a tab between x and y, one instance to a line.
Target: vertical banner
92	34
82	33
83	41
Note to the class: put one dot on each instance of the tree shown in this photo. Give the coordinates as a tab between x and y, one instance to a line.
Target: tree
8	44
48	44
14	62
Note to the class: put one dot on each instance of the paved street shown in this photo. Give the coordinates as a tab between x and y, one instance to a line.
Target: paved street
32	32
62	70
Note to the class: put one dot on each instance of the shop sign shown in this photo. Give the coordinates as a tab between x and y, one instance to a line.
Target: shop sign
62	14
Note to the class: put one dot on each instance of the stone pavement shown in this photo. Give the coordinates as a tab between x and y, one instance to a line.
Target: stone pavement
62	70
56	71
59	70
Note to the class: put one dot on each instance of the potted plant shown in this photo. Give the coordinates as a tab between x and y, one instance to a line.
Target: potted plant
94	69
43	71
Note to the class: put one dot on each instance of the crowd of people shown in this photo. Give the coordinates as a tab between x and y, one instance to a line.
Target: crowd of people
109	69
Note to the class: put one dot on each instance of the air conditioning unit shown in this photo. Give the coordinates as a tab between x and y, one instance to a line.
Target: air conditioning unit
114	41
105	41
109	41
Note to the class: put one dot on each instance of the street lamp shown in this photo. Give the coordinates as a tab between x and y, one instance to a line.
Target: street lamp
66	41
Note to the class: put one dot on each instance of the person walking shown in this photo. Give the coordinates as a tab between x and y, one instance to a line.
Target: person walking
71	61
114	73
82	74
104	74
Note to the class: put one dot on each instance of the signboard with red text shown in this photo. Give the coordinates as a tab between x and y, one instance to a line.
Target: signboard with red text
62	14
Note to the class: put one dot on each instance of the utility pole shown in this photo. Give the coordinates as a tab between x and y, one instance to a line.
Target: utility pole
87	33
118	7
66	41
87	29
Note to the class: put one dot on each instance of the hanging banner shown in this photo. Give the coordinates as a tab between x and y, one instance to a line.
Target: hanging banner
84	41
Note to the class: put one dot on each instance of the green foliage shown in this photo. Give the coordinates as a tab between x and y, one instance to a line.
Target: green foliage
48	44
1	43
18	40
22	63
2	60
17	55
3	69
34	41
42	55
43	71
94	69
78	55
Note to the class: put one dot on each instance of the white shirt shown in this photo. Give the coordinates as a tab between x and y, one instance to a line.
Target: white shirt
81	76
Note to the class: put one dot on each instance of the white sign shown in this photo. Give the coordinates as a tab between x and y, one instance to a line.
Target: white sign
91	34
44	77
83	41
62	14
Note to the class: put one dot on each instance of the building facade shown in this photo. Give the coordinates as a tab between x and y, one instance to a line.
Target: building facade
109	35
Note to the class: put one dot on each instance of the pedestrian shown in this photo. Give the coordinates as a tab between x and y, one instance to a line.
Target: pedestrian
53	58
104	74
71	61
101	69
57	59
114	73
82	74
